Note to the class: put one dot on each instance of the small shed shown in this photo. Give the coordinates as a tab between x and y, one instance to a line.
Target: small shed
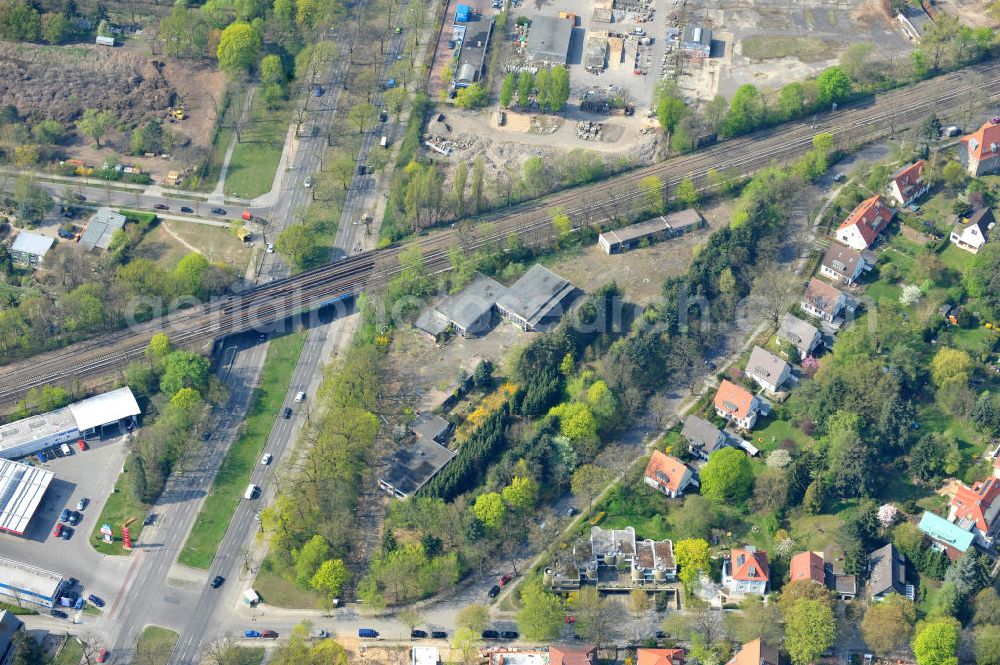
30	248
104	41
462	13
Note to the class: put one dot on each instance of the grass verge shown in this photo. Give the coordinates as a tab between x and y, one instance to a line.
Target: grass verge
227	490
14	609
155	645
280	591
71	653
255	158
120	507
247	656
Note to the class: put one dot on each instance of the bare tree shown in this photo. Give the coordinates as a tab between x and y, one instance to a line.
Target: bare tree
222	651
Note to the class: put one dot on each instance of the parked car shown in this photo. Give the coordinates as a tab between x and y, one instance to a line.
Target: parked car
67	533
95	600
40	457
838	176
266	459
508	635
300	397
270	248
570	511
218	211
256	515
269	634
362	169
251	634
79	197
318	633
318	91
287	413
308	183
74	518
217	581
102	656
59	614
491	635
439	634
57	532
504	579
495	591
370	633
160	206
418	634
571	619
82	445
383	116
150	518
64	515
55	452
186	209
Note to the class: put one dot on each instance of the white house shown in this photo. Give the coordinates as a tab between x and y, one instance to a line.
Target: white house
865	222
801	334
845	264
823	301
667	474
746	572
768	370
737	404
972	233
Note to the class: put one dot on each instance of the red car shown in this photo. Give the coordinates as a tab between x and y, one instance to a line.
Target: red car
571	619
102	656
504	579
82	444
58	530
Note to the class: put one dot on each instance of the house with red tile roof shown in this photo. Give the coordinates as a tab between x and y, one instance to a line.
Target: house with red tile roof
908	184
746	572
756	653
659	657
976	508
980	151
807	566
737	404
865	222
667	474
566	655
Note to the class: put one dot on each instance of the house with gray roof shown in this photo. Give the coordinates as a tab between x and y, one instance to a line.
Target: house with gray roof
548	39
29	249
801	334
767	370
703	437
887	573
539	297
412	467
468	312
430	427
101	229
845	264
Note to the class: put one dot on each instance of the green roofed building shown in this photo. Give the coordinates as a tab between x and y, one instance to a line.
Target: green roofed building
947	536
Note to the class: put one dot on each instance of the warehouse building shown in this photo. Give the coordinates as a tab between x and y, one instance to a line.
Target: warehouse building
468	313
629	237
548	39
696	42
540	296
22	487
21	583
89	417
412	467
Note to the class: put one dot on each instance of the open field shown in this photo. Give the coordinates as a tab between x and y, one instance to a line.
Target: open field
170	241
806	49
255	158
227	490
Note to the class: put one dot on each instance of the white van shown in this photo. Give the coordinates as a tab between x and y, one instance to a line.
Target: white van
252	492
384	142
66	449
300	397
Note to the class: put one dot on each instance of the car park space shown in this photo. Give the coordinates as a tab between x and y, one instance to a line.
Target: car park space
88	474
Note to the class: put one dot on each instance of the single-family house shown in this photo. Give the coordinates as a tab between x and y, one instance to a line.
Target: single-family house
746	572
813	566
659	657
756	653
971	233
573	655
946	536
865	222
823	301
908	184
703	437
801	334
975	508
768	370
887	573
737	404
667	474
845	264
980	151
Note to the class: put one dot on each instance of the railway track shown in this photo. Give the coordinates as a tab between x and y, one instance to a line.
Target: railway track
263	305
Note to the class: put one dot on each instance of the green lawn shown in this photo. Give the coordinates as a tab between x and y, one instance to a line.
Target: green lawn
957	259
633	503
255	158
770	432
155	645
883	291
814	532
120	507
248	656
227	490
71	653
973	340
281	592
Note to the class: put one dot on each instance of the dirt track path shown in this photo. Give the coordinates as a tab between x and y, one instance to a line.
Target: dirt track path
189	246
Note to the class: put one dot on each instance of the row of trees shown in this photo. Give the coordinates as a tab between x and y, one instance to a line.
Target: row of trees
549	87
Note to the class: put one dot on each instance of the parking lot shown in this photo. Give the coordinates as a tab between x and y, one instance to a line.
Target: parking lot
92	474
